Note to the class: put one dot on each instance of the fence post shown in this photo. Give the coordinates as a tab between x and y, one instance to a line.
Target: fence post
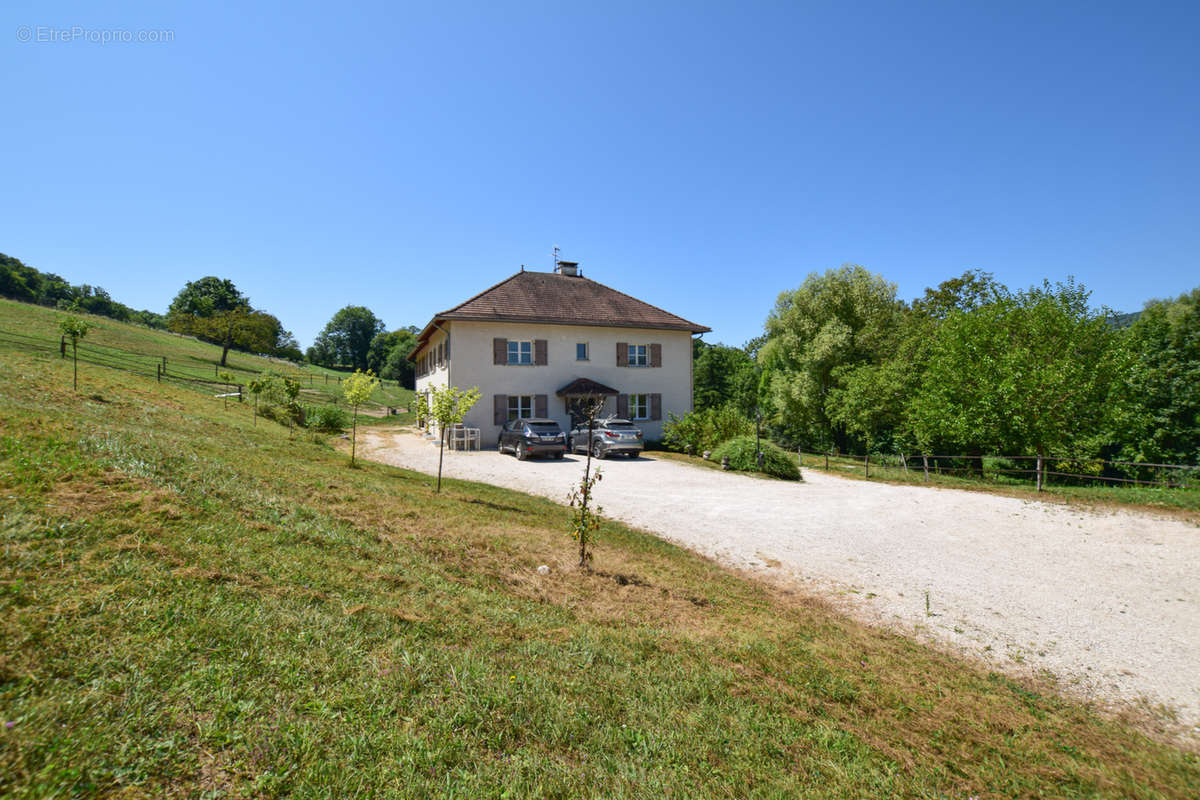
1040	472
925	466
827	462
62	347
164	358
240	394
158	372
904	463
215	371
867	465
800	456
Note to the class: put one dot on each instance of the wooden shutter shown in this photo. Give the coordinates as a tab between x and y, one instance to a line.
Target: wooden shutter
656	406
623	406
540	401
656	355
622	355
499	351
499	409
539	353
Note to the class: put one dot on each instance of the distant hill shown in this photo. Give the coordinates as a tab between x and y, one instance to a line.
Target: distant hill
1124	320
20	281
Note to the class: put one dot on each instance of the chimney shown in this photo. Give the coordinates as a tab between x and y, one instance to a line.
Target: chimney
570	268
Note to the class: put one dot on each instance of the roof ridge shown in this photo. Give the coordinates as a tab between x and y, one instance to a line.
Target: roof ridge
639	300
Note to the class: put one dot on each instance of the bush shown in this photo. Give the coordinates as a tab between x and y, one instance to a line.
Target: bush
329	419
703	430
743	457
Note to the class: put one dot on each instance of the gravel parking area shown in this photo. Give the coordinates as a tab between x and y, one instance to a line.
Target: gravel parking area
1108	603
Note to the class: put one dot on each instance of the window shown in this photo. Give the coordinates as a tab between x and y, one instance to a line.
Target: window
639	404
581	351
520	352
639	355
520	405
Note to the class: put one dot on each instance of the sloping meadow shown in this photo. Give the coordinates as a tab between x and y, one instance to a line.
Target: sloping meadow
192	604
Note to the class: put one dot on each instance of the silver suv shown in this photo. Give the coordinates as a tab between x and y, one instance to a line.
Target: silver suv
608	436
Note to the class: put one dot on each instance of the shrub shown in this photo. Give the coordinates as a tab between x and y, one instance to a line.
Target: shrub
328	418
743	457
703	430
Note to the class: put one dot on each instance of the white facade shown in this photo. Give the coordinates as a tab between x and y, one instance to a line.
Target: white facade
468	351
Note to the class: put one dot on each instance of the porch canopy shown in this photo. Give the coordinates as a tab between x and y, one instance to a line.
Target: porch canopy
585	387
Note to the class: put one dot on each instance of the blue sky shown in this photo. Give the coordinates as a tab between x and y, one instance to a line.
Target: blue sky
701	156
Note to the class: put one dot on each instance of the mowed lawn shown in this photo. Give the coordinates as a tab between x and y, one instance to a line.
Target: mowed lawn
192	605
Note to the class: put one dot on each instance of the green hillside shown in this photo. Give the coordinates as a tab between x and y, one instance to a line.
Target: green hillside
195	605
141	350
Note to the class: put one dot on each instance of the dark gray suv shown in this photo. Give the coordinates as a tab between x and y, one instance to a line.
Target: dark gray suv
608	436
531	437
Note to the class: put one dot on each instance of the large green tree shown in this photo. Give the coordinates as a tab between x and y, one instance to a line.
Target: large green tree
870	399
1158	405
214	310
834	321
723	375
346	339
1029	372
388	355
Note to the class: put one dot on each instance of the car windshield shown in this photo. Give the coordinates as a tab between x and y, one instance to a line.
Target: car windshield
544	427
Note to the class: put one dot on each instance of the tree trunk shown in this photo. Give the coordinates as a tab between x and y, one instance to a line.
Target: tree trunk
441	455
224	352
587	469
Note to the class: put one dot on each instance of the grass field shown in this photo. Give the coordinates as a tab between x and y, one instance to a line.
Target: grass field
194	606
134	346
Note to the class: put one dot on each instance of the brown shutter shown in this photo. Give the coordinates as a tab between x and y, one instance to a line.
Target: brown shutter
622	355
656	355
623	406
539	353
656	406
499	409
539	405
499	352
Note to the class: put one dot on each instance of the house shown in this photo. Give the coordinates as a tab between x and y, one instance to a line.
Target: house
543	344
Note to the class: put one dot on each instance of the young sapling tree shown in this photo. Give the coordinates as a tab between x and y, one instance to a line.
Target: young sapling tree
357	389
75	328
585	520
227	379
450	407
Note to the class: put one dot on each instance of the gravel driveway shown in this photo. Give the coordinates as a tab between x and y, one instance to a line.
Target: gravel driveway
1109	603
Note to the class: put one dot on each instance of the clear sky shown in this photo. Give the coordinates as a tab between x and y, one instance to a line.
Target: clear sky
700	156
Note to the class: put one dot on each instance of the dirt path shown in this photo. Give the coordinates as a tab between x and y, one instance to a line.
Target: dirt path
1108	603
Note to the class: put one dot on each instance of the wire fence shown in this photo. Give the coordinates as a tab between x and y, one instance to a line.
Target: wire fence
1032	469
184	371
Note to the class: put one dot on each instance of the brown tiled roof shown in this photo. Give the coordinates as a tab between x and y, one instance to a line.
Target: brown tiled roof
582	387
560	300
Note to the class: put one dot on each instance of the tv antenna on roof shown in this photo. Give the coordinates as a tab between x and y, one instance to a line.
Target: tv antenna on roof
555	255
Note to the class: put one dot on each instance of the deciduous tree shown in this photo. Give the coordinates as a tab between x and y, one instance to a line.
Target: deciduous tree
357	389
448	407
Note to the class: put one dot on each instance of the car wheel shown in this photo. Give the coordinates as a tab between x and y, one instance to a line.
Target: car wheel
522	453
597	451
